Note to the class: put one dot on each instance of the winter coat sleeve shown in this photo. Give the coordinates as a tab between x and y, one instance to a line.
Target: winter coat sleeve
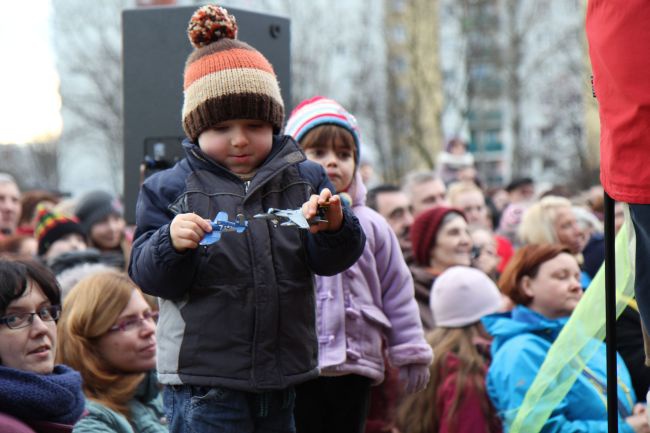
618	34
329	253
155	265
406	343
511	374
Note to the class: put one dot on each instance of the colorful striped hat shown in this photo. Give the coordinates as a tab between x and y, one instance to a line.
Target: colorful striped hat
226	79
317	111
52	226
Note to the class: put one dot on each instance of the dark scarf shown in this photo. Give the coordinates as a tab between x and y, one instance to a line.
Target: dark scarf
55	397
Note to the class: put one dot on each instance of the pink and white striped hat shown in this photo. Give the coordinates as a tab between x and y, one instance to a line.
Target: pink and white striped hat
317	111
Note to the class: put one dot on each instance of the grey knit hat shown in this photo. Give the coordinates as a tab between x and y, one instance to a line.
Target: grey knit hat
95	206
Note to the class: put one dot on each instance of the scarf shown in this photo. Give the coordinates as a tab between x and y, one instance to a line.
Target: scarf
55	397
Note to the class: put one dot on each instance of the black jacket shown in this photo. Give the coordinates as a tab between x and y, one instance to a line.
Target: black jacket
240	312
629	344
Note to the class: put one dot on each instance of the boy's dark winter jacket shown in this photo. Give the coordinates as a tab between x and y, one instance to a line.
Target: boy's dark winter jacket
240	312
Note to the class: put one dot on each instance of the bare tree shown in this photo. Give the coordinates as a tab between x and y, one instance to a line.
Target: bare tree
544	66
342	58
32	165
522	59
88	51
414	97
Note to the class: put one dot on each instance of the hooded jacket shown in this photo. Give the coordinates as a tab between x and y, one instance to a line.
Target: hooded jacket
521	342
238	313
368	303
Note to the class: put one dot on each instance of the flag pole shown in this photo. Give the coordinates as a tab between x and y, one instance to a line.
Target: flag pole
610	316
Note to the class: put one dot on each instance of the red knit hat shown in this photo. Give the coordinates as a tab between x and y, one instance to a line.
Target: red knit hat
425	230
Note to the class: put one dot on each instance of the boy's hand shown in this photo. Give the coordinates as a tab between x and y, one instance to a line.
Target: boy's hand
334	213
187	230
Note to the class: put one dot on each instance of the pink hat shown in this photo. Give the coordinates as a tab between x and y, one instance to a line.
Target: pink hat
462	295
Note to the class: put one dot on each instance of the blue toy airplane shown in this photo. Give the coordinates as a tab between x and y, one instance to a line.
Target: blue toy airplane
221	224
292	217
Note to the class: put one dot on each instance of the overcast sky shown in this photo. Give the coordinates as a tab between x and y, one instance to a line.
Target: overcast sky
29	99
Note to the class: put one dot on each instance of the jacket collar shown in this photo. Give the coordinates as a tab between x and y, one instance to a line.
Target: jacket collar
284	152
521	320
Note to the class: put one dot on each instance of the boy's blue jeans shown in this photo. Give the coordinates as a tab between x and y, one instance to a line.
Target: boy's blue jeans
203	409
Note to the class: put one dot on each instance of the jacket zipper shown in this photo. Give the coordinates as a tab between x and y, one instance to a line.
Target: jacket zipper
246	183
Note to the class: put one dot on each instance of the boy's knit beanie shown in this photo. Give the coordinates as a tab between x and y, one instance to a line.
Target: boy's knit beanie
462	295
95	206
424	232
317	111
224	78
52	226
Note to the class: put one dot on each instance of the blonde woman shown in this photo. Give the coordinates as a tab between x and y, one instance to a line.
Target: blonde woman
552	221
107	333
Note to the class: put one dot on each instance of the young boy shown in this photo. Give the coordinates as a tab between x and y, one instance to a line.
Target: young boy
236	329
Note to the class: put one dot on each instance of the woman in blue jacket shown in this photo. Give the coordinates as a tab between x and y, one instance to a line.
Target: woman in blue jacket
543	282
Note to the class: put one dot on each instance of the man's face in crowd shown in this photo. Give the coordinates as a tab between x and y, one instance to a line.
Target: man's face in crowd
395	207
428	195
9	207
472	203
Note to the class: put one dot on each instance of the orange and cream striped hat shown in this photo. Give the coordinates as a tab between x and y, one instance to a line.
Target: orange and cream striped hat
226	79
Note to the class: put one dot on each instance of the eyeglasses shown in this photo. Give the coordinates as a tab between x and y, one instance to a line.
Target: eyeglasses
137	322
22	320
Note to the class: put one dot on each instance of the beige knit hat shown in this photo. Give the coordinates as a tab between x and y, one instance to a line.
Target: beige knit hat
224	78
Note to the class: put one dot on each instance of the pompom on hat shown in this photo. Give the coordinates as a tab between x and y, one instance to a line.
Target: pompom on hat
52	226
224	78
462	295
317	111
424	232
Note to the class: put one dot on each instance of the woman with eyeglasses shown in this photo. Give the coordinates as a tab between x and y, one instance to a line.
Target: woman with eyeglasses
35	394
107	332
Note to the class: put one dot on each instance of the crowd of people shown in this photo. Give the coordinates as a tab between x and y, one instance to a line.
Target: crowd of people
420	307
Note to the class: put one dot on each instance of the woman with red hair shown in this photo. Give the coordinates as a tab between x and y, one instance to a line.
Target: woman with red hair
543	281
107	333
